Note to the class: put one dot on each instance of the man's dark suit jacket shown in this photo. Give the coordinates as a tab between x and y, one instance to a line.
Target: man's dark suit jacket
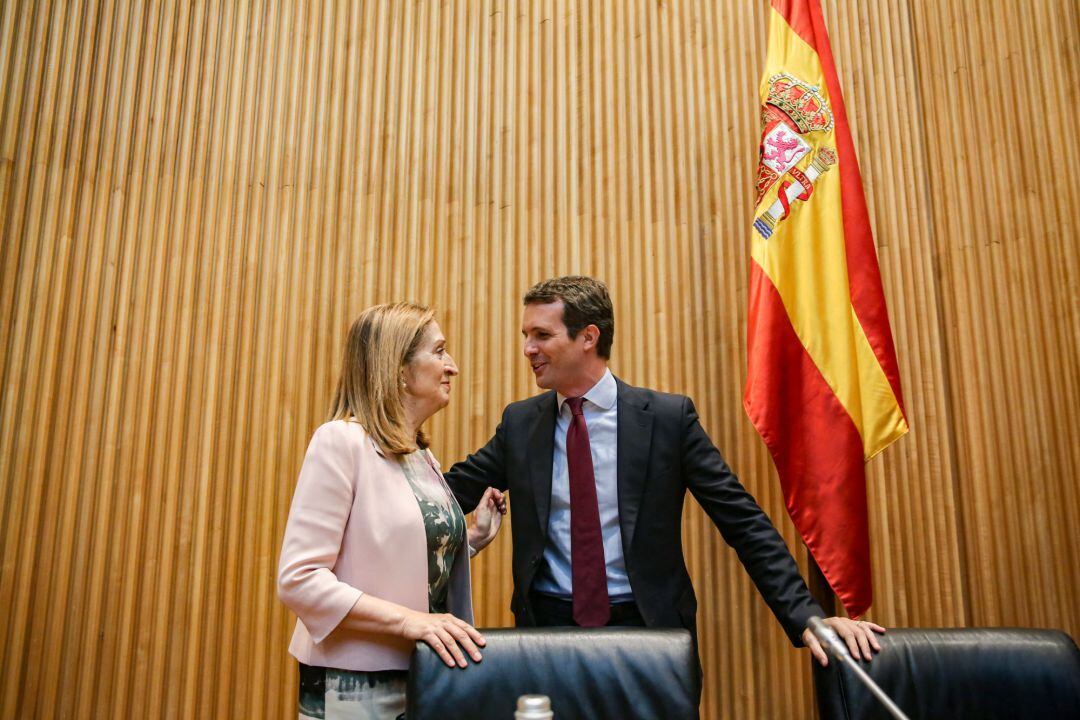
662	452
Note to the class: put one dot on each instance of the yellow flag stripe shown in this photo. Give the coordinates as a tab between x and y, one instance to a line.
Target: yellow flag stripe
807	263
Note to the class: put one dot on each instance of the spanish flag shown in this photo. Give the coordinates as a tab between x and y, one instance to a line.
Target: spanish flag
822	386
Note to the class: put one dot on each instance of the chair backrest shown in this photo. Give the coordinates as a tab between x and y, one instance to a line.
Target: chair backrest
983	673
602	673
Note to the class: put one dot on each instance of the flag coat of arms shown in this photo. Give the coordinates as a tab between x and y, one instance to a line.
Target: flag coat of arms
822	388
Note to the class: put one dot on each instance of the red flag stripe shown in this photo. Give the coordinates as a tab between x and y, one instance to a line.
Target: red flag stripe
815	445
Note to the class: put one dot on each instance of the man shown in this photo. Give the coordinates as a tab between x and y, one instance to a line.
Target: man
597	472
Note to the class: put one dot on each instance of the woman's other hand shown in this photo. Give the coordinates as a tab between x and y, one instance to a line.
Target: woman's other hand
488	519
446	634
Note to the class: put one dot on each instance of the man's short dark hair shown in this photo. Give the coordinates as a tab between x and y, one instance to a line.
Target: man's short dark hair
585	302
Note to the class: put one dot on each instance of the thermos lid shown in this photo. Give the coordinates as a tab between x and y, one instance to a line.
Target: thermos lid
533	707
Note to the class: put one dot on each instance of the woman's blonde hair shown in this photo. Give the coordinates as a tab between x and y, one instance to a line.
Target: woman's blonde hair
380	343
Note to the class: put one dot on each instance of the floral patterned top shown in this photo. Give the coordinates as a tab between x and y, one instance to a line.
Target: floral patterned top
444	524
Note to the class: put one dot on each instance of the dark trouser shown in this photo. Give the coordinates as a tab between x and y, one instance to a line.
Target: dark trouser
551	611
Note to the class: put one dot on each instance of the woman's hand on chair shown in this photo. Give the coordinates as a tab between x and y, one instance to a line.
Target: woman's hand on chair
445	634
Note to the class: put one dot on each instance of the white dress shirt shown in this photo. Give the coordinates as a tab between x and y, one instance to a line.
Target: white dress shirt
601	419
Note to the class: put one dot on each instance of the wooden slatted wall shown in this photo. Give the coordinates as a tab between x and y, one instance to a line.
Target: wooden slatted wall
196	198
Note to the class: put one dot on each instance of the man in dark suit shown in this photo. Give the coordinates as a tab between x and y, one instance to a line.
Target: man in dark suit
597	472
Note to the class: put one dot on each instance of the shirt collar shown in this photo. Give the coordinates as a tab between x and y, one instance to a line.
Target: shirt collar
602	394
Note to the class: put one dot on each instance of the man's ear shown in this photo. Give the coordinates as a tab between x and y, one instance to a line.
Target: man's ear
592	336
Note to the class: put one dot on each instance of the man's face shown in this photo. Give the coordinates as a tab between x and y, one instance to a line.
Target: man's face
557	360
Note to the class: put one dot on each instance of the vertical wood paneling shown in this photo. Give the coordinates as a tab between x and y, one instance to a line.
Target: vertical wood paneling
999	88
197	198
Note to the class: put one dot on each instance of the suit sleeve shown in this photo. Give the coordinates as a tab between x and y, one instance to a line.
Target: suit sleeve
486	467
320	510
746	528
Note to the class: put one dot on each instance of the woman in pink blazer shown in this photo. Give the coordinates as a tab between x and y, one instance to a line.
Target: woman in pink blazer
376	552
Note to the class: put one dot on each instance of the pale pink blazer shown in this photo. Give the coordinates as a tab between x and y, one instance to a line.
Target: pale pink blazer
355	527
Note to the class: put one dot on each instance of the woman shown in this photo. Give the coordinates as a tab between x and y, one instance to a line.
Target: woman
376	554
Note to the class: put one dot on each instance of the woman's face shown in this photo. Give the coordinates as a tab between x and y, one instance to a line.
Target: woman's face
427	376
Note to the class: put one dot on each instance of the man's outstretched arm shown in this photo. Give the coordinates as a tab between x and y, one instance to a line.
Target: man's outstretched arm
484	468
746	528
762	551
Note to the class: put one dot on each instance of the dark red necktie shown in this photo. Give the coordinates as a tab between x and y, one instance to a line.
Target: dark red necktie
588	569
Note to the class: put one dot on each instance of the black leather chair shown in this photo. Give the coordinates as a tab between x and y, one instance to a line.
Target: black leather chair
591	674
984	673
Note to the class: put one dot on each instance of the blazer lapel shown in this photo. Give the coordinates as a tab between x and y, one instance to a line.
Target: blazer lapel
634	440
540	454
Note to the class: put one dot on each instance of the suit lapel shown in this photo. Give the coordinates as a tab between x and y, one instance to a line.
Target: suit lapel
540	454
634	440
